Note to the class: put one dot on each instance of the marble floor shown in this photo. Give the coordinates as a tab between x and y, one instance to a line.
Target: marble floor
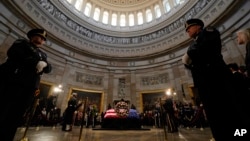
88	134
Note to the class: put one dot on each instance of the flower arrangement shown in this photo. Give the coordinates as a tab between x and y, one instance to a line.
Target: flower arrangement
121	108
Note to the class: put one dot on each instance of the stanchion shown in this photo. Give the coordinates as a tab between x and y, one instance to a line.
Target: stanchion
83	116
28	121
163	121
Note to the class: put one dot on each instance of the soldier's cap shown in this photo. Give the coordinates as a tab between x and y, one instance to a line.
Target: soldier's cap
40	32
192	22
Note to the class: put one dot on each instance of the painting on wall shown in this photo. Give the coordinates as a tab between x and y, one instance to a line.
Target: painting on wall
94	97
151	100
45	89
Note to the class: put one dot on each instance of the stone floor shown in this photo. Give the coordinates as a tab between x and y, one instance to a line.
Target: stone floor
88	134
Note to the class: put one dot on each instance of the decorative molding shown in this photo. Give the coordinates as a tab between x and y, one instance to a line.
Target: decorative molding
155	79
89	79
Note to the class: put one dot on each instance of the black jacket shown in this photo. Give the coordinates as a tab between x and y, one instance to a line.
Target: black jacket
207	61
20	66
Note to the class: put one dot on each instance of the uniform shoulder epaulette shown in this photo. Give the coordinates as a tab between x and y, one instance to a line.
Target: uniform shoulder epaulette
209	29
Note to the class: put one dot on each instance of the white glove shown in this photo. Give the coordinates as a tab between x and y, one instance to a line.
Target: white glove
40	65
186	60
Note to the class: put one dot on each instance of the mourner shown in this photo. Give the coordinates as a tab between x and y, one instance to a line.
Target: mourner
73	105
243	38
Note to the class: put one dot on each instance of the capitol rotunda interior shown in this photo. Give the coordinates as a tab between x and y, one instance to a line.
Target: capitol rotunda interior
108	51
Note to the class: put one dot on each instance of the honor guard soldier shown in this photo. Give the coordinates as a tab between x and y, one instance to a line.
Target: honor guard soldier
19	80
212	78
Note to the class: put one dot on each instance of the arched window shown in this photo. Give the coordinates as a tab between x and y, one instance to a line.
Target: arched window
177	2
87	9
114	19
140	18
69	1
122	20
167	6
149	16
96	14
78	5
157	11
131	20
105	17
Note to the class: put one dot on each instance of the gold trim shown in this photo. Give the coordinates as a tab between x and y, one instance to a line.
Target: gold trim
44	34
191	93
91	91
146	92
52	86
189	25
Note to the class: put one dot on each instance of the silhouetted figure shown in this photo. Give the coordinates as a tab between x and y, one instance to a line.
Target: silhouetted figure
69	113
212	78
133	106
20	77
170	116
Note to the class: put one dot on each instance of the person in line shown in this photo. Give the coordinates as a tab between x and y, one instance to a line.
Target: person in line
243	38
212	78
20	77
73	105
170	119
239	78
241	98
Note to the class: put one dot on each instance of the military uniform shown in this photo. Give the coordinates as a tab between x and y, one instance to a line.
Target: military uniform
19	80
213	79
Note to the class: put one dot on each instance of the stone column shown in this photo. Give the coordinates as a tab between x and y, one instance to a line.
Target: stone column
92	11
62	100
153	12
162	8
110	87
83	6
5	45
233	52
101	14
133	96
135	18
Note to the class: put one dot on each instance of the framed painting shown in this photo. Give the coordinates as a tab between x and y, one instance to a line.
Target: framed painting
95	98
151	99
45	89
47	98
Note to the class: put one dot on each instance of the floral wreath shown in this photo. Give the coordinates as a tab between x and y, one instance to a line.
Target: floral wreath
121	108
